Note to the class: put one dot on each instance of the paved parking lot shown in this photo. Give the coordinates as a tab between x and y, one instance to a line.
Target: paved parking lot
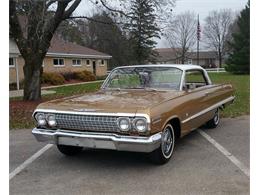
197	167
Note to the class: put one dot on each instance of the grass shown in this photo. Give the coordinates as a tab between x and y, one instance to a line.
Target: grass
241	84
21	112
73	90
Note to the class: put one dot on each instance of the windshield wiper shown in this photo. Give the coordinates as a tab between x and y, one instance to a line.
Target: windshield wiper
150	89
134	88
145	88
116	89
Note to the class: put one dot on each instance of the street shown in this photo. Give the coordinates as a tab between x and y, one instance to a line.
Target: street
197	166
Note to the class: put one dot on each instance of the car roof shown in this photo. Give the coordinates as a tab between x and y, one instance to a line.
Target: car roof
179	66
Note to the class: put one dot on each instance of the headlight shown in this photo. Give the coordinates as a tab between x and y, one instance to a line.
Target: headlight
51	120
40	118
140	125
124	124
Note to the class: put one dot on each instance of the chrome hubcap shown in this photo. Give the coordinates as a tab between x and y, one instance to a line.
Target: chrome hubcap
167	142
216	117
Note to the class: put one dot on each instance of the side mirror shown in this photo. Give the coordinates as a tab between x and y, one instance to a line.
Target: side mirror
192	86
188	87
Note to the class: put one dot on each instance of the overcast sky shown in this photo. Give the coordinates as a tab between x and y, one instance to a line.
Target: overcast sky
201	7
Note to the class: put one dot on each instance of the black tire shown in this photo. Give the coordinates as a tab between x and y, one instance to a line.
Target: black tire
163	154
69	150
214	122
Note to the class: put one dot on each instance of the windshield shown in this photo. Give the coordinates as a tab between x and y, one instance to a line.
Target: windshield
144	77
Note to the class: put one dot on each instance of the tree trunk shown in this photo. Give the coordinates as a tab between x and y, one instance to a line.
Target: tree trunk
220	59
183	58
32	79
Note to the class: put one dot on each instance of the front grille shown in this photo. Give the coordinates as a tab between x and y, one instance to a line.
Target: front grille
87	122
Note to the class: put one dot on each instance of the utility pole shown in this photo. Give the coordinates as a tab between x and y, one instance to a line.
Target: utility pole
198	40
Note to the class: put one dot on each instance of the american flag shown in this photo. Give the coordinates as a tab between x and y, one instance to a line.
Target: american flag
198	30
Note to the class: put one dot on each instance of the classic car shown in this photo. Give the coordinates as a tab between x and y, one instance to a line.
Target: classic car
141	108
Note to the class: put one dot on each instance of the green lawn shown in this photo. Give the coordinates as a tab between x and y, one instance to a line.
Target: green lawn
241	84
73	90
21	111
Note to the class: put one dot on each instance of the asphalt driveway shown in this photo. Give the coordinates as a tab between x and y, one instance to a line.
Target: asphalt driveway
197	167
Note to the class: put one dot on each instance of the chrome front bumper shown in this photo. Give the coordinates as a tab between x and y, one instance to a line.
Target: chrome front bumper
99	140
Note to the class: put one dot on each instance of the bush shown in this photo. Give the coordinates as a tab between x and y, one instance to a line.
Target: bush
68	75
101	77
52	78
85	76
13	86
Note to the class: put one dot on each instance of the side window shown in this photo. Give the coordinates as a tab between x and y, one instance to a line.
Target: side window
194	79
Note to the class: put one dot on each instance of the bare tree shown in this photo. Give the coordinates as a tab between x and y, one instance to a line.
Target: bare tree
181	34
33	40
33	35
216	31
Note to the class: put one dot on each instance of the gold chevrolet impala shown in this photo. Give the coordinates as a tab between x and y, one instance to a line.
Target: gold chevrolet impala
143	108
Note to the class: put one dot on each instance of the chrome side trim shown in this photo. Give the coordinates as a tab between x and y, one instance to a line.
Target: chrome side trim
209	109
157	120
95	113
99	140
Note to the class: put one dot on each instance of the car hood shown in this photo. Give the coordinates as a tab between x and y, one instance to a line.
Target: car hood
111	101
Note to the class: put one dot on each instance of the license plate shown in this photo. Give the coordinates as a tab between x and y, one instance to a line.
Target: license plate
72	141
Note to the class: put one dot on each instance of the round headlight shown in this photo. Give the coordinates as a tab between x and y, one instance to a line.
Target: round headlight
51	120
124	124
140	125
40	117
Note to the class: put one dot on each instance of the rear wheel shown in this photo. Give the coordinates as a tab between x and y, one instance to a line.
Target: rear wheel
164	152
214	122
69	150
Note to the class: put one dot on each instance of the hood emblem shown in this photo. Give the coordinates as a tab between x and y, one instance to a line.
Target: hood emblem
85	110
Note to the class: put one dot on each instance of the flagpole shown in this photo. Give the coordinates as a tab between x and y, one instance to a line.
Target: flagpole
198	41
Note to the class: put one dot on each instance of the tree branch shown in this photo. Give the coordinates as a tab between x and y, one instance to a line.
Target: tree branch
15	27
48	4
94	20
114	10
69	11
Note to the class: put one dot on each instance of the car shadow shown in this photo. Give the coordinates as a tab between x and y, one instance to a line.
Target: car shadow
122	159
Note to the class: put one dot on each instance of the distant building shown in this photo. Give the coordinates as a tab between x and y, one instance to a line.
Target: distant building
62	56
207	59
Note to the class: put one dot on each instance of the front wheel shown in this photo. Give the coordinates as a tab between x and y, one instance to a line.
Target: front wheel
164	152
69	150
214	122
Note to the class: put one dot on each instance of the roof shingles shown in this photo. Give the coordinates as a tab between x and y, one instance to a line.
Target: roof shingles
169	54
58	46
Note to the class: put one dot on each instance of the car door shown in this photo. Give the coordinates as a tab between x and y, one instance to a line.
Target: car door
197	87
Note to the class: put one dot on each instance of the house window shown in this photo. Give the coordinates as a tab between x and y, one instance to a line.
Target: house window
11	62
58	62
88	62
76	62
102	63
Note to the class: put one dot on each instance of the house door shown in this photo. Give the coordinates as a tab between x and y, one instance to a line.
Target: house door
94	67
